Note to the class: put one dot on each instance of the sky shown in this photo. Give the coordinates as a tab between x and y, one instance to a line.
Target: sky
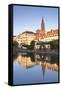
26	18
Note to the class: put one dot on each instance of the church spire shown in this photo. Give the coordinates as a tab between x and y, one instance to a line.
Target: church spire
42	25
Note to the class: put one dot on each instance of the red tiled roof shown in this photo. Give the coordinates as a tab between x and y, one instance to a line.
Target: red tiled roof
51	33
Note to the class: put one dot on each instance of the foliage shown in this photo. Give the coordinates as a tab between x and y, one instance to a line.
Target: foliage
32	44
15	43
54	44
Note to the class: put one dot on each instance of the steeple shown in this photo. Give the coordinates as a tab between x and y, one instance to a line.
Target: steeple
42	25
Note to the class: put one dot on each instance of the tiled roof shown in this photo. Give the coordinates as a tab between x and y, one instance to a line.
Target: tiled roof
51	33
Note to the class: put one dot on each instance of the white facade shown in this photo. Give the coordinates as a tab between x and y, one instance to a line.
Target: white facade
49	39
25	38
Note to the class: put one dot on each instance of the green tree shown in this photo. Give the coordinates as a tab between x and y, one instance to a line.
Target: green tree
54	44
32	44
15	49
15	43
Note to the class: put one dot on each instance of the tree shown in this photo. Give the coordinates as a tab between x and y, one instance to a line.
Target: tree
54	44
15	43
32	44
15	49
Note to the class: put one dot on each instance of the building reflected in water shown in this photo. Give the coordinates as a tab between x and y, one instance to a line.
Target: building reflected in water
25	61
30	60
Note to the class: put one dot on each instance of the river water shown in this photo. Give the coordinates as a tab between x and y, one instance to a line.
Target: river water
30	68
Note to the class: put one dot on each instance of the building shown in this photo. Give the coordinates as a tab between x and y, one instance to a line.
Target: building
45	36
42	25
25	38
41	35
14	37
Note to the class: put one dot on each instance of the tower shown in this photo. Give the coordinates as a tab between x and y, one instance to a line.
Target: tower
42	25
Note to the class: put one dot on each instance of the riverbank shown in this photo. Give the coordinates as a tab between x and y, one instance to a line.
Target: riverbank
39	51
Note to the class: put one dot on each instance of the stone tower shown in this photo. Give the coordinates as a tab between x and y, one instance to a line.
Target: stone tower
42	25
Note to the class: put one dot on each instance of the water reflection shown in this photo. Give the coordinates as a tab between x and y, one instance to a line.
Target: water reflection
45	62
29	60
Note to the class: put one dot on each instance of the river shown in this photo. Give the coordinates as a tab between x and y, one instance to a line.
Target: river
30	68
